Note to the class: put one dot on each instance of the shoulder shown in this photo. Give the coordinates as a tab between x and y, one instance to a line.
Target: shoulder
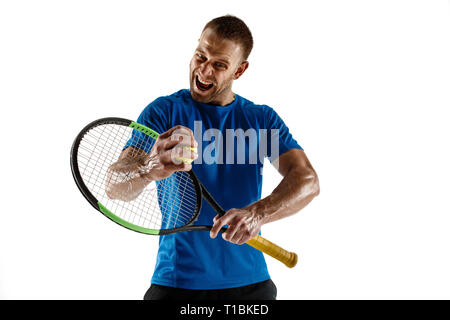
180	96
175	97
165	103
262	111
251	106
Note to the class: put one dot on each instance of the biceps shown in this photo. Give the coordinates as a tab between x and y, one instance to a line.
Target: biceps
294	159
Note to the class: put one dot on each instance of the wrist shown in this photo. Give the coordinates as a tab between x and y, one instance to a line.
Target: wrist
262	209
147	175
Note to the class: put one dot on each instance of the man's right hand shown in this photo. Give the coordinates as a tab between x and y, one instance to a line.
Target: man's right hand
165	157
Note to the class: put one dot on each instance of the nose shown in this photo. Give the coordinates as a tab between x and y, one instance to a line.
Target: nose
206	70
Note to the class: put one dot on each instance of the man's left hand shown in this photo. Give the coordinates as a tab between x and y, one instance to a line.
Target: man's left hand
243	225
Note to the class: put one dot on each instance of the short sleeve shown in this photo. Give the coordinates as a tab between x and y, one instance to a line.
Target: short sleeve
153	117
279	139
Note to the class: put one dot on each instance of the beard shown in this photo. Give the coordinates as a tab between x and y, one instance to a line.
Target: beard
218	94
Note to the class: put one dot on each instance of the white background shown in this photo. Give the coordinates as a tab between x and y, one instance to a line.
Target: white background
363	85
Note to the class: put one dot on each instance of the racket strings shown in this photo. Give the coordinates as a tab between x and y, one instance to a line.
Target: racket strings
137	218
164	204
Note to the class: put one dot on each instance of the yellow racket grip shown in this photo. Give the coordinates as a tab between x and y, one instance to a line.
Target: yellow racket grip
288	258
186	160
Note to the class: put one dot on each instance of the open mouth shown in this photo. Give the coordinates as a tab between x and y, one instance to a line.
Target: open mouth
202	85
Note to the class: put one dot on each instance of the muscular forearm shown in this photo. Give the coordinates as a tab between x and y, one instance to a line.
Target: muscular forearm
126	180
135	169
298	187
294	192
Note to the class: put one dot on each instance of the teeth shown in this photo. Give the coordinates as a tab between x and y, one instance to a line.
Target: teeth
203	82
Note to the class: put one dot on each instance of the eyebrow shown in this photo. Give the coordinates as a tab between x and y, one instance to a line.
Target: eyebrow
223	60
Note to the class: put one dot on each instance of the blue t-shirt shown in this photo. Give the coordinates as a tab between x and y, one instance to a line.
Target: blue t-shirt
232	143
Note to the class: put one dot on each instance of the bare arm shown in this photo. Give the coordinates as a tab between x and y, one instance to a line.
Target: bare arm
126	178
135	169
299	186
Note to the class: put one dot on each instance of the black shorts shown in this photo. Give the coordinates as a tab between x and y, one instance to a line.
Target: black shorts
265	290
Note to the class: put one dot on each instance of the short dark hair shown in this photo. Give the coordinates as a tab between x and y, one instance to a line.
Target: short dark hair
232	28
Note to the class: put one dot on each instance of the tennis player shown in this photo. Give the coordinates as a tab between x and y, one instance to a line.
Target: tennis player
228	132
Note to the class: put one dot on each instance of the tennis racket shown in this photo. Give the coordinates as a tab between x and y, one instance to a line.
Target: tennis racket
164	207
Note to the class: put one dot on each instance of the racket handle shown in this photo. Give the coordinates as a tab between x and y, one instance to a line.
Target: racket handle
288	258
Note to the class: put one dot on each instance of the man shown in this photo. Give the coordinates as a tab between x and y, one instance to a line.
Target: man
197	265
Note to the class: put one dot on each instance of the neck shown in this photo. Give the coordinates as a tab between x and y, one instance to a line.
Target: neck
228	99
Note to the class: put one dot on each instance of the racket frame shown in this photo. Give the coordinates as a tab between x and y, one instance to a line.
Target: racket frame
189	226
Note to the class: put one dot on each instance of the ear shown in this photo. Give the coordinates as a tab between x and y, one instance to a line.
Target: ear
240	70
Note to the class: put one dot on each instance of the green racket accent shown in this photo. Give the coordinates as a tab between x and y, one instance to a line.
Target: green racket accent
155	135
124	223
144	129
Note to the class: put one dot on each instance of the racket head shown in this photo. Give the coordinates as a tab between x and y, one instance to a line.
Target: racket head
166	206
